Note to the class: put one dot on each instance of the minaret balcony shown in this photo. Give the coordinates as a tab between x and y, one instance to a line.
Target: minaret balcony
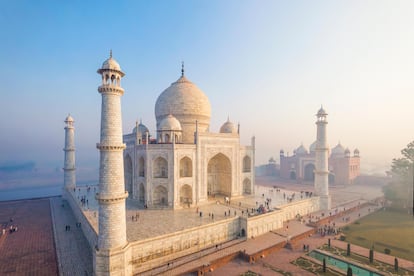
110	147
110	88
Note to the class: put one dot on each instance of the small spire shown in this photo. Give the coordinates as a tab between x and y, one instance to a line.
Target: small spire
110	53
182	68
140	121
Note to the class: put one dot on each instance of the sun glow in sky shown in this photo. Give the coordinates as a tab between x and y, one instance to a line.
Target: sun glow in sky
268	65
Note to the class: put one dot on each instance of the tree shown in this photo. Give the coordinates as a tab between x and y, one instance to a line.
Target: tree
400	190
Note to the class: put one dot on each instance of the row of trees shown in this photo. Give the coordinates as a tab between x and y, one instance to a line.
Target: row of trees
400	190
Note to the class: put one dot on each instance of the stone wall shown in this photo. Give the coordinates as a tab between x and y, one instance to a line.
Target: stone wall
259	225
149	253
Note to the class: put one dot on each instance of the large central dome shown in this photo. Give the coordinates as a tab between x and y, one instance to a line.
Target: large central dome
186	102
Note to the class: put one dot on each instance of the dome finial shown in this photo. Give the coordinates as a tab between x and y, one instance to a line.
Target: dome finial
182	68
110	53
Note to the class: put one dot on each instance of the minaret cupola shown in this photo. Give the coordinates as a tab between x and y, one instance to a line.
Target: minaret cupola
111	73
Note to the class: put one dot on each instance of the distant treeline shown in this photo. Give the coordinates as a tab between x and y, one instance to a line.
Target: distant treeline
26	167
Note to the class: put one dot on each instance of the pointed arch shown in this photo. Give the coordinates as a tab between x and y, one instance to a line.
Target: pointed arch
309	173
186	194
141	193
247	186
219	175
247	164
141	167
160	196
128	174
186	167
160	168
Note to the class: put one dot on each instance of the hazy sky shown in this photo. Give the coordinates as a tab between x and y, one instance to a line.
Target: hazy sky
266	64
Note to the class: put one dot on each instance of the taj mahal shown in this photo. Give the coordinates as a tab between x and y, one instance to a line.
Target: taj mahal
179	191
186	163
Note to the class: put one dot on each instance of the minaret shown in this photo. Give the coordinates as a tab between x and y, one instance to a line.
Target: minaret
112	194
69	166
321	160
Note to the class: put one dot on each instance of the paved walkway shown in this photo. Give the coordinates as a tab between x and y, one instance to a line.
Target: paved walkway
74	253
30	250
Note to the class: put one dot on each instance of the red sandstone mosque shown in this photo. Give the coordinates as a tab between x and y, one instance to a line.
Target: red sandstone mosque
343	168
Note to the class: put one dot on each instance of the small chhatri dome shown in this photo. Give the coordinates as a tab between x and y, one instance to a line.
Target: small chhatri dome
228	127
321	112
356	152
347	152
110	64
301	150
169	123
69	119
141	128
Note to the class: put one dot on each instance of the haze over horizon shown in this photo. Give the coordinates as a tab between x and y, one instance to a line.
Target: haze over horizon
267	65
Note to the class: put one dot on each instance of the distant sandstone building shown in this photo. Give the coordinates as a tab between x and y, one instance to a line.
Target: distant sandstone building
343	168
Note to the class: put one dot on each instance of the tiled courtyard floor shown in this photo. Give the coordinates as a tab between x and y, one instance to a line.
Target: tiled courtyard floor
31	249
74	253
152	223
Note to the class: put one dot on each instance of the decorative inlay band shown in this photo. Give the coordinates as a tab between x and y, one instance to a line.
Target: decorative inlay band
111	89
110	147
110	199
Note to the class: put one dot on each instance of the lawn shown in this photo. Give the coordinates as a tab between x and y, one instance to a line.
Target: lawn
384	229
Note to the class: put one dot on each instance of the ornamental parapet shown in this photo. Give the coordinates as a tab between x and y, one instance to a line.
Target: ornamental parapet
111	89
110	147
110	198
69	149
69	169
